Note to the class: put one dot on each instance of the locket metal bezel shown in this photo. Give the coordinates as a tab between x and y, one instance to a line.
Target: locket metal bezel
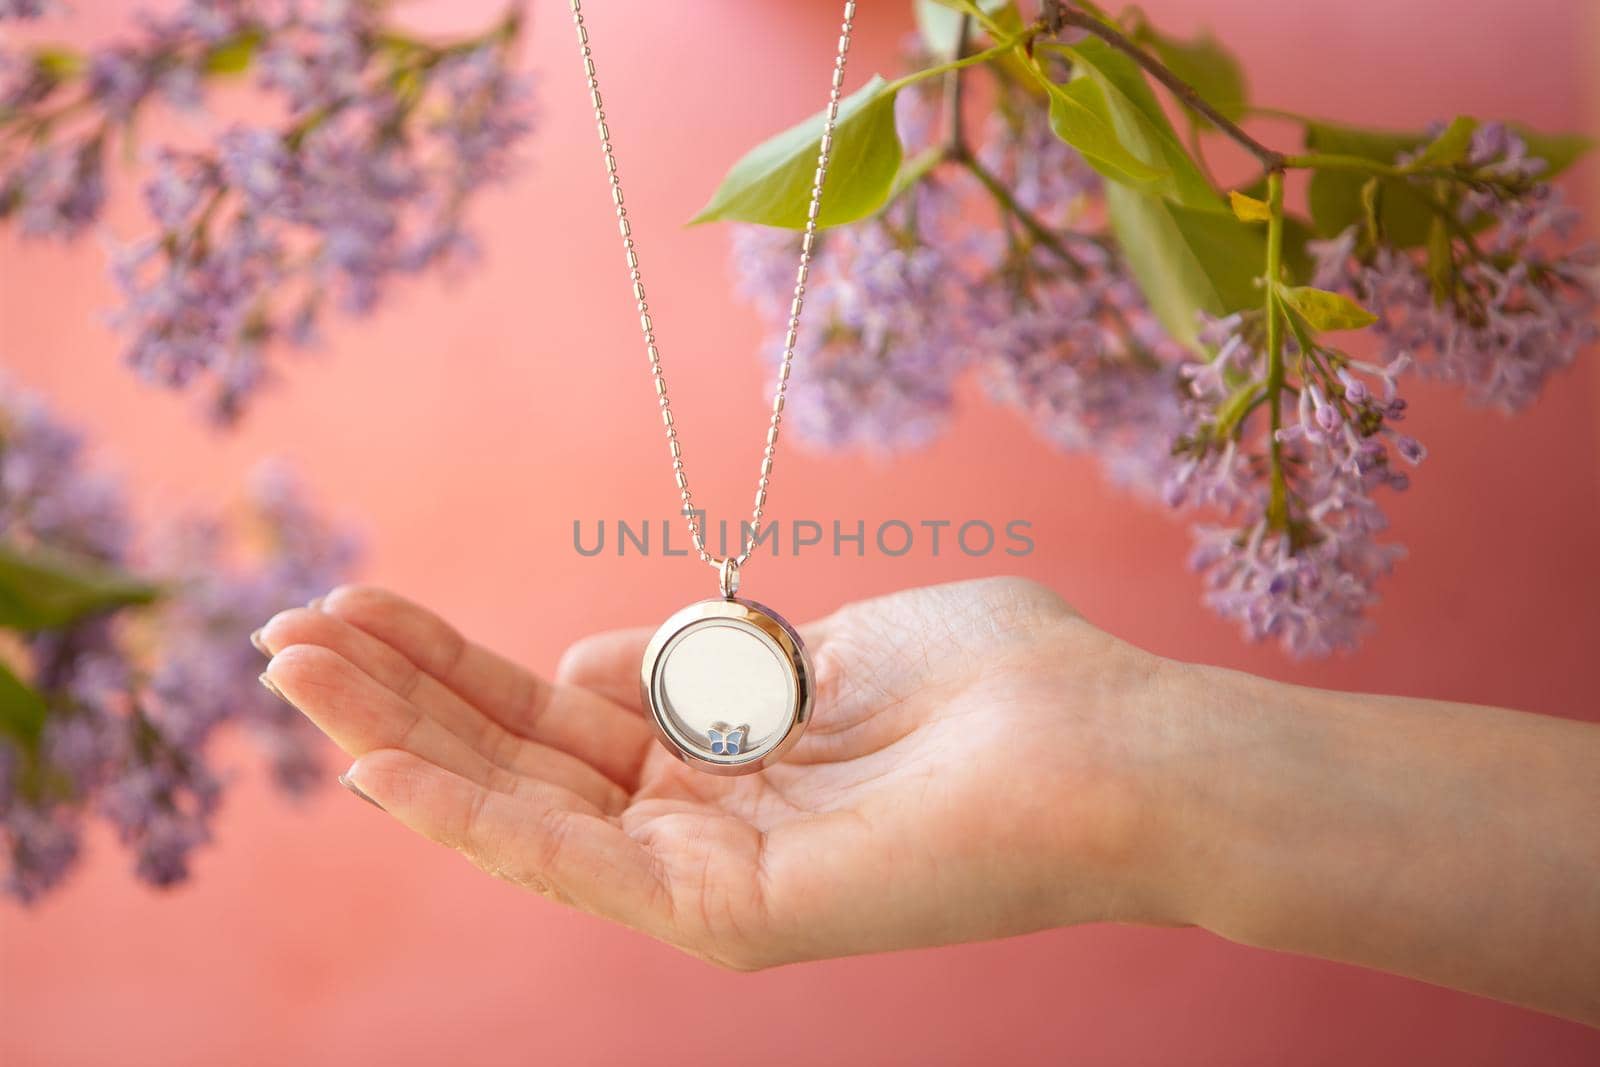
779	635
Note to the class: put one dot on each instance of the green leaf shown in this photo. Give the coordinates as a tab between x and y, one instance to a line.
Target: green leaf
1297	232
1441	262
41	590
1248	208
59	64
913	170
1335	197
1559	150
1186	261
1140	123
939	21
1370	191
938	24
1005	16
22	710
1183	245
1202	62
1077	115
233	55
1237	406
771	185
1450	147
1324	311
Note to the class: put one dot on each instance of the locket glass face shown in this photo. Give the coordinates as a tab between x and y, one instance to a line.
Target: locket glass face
728	684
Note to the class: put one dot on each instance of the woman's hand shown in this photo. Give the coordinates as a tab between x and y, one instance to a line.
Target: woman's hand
968	773
982	762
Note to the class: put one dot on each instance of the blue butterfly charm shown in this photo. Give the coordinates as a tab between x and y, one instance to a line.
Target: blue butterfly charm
727	740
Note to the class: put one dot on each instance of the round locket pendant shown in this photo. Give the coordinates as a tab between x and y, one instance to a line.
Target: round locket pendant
728	684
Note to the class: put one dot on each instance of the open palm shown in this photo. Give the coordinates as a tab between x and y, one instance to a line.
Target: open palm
957	782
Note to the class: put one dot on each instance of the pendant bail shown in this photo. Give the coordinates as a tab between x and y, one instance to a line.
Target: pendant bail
728	577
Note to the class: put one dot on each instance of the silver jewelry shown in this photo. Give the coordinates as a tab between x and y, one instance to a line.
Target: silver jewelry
724	661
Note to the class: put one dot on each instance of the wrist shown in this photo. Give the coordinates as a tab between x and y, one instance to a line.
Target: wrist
1184	795
1122	839
1215	770
1179	720
1239	778
1425	839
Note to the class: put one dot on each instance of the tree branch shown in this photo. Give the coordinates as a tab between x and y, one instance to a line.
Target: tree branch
1278	503
1009	204
955	129
1271	159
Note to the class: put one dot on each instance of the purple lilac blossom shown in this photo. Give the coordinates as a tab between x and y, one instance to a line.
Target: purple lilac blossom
1063	356
57	190
883	335
25	9
43	846
1521	304
134	698
1307	585
381	144
1312	599
46	495
1045	174
1063	334
898	306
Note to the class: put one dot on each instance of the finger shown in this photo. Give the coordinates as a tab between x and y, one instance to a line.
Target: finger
304	626
607	663
583	724
580	859
360	716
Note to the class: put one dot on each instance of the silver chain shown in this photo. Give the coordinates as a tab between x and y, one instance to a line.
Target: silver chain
748	542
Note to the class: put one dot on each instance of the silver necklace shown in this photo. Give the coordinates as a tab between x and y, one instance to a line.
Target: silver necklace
728	681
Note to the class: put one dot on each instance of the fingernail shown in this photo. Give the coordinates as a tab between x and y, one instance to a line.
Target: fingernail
260	645
272	687
344	780
315	603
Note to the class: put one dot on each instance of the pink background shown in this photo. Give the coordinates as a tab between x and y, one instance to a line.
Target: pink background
469	424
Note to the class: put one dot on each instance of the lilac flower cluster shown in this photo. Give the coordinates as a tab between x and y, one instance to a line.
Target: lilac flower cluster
1305	577
1497	309
1508	303
135	697
1059	329
1289	525
380	143
900	305
883	342
23	9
